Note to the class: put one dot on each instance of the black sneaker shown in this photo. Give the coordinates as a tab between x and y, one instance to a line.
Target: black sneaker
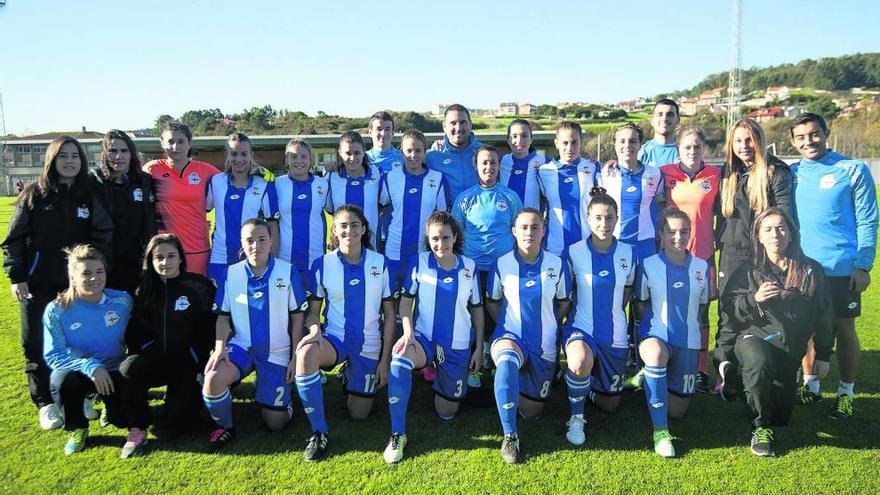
219	438
806	397
316	449
762	442
843	407
510	449
702	384
726	388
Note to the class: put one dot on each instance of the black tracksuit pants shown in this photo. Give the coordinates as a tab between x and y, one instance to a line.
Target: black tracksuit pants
70	388
183	397
769	375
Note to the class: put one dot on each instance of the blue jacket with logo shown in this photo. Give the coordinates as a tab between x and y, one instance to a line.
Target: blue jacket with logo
486	216
456	165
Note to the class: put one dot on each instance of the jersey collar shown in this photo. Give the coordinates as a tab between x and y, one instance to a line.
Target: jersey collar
593	250
345	263
668	262
434	265
269	267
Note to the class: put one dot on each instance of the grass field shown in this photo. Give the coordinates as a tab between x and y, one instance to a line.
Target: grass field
817	455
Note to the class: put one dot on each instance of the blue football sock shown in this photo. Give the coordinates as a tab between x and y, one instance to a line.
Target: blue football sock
507	388
578	388
220	408
399	388
657	393
311	394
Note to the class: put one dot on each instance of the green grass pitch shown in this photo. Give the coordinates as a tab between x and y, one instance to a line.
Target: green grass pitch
817	455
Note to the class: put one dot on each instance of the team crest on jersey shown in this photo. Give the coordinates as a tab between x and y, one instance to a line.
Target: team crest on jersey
354	282
255	191
111	318
320	190
280	284
234	197
413	190
431	183
827	181
137	194
396	163
194	179
623	264
302	196
650	183
705	186
467	274
447	161
698	276
551	273
82	212
531	283
501	205
448	280
76	326
374	271
181	304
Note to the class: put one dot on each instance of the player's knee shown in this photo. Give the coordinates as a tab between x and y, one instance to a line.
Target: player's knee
608	404
213	383
306	357
677	413
358	413
274	420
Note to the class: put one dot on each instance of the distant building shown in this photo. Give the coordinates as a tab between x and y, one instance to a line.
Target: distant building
631	105
793	112
710	97
762	115
527	109
780	93
507	109
688	106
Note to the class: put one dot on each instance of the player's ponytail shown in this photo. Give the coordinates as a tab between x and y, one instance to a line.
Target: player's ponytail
599	196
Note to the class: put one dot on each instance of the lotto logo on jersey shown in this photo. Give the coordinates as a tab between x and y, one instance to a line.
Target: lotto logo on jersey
568	180
447	161
501	205
448	280
111	318
631	189
531	283
137	194
706	186
234	197
76	326
355	182
518	172
181	304
827	181
678	285
603	273
354	281
258	294
414	190
82	212
194	179
302	196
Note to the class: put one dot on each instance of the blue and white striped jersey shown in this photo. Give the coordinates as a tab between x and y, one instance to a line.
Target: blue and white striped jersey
233	206
362	192
412	198
260	307
599	282
567	191
528	293
303	225
634	193
354	295
521	176
443	298
675	293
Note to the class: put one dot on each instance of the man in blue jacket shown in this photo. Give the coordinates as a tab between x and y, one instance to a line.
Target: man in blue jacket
836	205
454	156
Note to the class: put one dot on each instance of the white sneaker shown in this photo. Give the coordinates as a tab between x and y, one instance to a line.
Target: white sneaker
394	451
575	433
50	417
89	410
663	444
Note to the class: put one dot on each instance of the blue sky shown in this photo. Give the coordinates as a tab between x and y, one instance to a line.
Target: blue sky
102	64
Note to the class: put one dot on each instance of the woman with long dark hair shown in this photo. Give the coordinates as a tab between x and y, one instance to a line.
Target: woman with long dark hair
775	303
54	213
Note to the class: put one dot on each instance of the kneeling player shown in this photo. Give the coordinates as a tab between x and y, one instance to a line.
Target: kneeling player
446	291
596	342
261	300
535	287
674	283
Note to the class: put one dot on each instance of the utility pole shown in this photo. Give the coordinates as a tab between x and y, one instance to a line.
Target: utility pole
734	86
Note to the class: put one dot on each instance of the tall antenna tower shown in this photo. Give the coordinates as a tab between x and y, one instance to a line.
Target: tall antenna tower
734	85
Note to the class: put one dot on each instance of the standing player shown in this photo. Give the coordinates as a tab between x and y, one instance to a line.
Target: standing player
355	182
353	281
565	184
237	195
447	297
181	183
532	287
302	197
259	320
596	342
413	192
675	284
519	168
454	156
127	194
692	186
53	213
662	149
836	205
383	154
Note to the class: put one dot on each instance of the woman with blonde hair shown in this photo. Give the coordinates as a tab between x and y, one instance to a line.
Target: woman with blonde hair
753	181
